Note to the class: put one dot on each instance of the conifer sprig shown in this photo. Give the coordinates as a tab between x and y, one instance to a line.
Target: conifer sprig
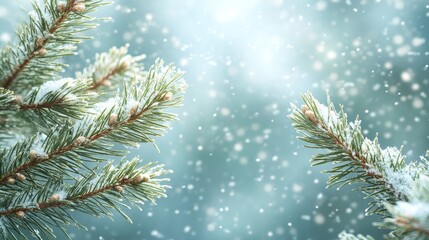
112	66
49	35
95	194
382	174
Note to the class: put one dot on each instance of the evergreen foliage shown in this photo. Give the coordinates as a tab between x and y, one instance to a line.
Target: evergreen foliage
59	136
399	191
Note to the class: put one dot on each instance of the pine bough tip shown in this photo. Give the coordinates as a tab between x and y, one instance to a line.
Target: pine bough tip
396	188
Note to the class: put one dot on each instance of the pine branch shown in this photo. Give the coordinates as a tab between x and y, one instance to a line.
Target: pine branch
357	159
132	118
49	35
112	65
381	173
94	194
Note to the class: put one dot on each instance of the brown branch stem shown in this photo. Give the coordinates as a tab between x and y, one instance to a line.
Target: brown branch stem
34	106
105	78
357	157
66	201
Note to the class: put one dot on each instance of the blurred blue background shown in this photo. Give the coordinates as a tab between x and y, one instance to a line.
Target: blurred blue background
239	171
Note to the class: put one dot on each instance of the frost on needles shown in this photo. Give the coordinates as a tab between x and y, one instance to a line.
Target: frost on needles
399	190
57	133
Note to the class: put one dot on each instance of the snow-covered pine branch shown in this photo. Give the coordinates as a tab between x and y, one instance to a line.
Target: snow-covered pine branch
383	174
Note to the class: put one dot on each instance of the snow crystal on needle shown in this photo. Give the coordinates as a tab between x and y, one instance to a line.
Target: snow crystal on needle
328	114
61	194
95	111
52	86
416	210
400	178
109	103
368	148
38	145
131	102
